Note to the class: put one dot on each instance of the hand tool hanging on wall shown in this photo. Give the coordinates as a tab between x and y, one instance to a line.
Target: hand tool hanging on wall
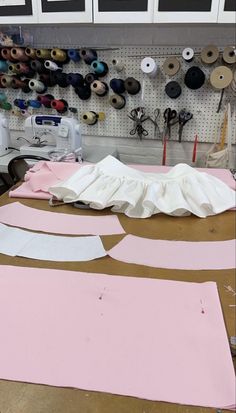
229	55
84	91
43	54
49	65
173	90
132	86
100	68
74	55
3	66
220	78
30	52
184	117
60	105
149	67
194	78
117	65
18	54
88	55
155	122
74	79
170	119
90	118
117	85
45	100
90	78
138	117
209	55
188	54
37	86
117	101
100	88
171	66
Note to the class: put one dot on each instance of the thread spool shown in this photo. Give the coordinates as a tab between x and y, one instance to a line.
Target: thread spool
100	68
16	111
6	54
47	79
100	88
6	105
37	66
171	66
18	83
23	68
90	78
90	118
188	54
1	84
221	77
117	65
18	53
74	55
173	90
194	78
3	97
117	101
74	79
30	52
60	105
60	78
52	66
149	67
43	54
26	88
84	92
132	86
46	100
229	55
21	103
59	55
6	81
37	86
88	55
35	104
117	85
209	55
25	113
3	66
12	68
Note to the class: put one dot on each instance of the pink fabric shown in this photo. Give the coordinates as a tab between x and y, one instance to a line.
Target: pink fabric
152	339
21	216
45	174
183	255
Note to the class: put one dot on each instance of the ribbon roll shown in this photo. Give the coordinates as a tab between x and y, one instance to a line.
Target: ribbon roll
59	55
46	100
37	66
49	65
12	68
90	78
209	55
149	66
59	78
74	79
30	52
6	80
171	66
117	85
47	79
194	78
3	97
173	90
3	66
43	53
6	106
118	66
90	118
88	55
74	55
37	86
117	101
100	88
229	55
18	53
6	55
35	104
21	103
100	68
84	92
60	105
188	54
132	86
221	77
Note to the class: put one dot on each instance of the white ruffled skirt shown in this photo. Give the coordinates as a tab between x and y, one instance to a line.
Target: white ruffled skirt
181	191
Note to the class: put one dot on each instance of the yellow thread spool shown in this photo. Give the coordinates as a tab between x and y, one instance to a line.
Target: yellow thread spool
6	80
43	53
12	68
58	55
30	52
90	118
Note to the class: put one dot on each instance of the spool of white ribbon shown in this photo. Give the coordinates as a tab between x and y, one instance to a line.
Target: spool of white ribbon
149	66
188	54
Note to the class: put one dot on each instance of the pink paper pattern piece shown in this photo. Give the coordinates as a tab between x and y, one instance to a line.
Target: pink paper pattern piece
152	339
182	255
21	216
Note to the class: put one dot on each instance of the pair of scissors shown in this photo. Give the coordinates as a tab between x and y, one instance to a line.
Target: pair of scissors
170	117
138	116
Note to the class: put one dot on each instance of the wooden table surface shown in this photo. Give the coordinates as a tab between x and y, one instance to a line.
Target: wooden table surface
16	397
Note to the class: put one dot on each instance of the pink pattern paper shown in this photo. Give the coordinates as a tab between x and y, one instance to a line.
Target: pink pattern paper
182	255
152	339
21	216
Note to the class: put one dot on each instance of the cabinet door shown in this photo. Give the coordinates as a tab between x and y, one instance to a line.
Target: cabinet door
65	11
123	11
18	11
186	11
227	11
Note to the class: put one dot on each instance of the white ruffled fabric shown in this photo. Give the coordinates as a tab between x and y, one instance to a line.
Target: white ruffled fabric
181	191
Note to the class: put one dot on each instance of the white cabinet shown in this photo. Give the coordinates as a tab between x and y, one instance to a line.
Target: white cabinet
227	11
65	11
186	11
123	11
18	11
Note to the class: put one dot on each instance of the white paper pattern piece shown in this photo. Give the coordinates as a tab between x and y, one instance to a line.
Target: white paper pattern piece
17	242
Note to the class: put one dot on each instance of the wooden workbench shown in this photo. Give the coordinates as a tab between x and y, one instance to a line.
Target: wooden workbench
18	397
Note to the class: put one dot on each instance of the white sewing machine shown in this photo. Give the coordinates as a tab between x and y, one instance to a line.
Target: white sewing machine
4	135
51	133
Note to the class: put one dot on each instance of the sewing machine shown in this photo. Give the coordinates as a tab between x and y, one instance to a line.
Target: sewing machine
4	135
51	133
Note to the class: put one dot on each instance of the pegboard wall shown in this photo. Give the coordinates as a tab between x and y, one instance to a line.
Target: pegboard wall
202	103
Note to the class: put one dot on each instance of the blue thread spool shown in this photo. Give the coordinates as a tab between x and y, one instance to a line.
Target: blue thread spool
74	79
36	104
21	103
3	97
117	85
73	54
100	68
3	66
